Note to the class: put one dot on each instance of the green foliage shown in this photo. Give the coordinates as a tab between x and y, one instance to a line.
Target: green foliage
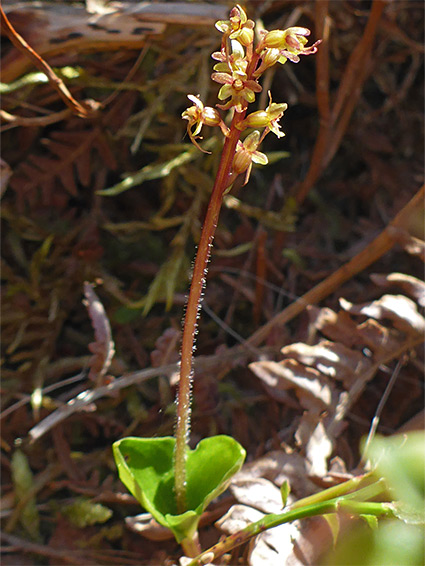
171	274
155	171
392	544
83	512
23	482
285	490
400	460
145	466
334	524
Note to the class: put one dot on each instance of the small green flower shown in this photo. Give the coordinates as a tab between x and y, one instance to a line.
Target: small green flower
238	27
234	62
234	79
246	154
268	118
199	115
290	43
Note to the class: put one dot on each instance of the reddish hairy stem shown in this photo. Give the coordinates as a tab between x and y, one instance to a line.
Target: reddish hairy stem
192	311
194	301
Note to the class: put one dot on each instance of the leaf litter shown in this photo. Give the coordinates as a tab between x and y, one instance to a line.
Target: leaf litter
312	388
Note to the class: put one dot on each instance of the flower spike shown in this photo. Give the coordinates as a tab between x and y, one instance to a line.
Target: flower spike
239	66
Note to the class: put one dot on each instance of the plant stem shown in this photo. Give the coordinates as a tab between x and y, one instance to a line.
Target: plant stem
192	311
274	520
336	491
195	297
191	547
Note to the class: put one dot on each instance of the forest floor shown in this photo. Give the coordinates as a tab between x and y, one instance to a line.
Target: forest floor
116	196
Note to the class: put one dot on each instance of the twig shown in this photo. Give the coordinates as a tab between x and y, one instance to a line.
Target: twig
86	398
334	125
57	83
381	404
15	121
27	398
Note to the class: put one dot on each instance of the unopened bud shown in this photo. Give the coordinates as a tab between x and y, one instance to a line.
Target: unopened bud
275	38
210	116
246	36
241	162
258	119
268	59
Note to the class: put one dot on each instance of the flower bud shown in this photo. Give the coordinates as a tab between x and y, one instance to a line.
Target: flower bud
241	162
268	59
246	36
246	153
258	119
210	116
274	38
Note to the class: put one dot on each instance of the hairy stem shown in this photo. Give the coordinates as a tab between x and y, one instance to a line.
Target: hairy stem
194	301
192	312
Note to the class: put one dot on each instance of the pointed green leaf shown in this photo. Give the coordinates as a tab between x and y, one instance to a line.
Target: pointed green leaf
371	520
333	521
145	466
285	490
23	482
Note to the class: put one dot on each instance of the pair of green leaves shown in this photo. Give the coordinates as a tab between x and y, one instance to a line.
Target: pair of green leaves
146	468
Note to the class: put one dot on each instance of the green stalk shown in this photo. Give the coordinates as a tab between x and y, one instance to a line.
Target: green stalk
274	520
335	491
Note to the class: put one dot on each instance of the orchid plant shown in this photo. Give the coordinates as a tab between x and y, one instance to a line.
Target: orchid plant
173	482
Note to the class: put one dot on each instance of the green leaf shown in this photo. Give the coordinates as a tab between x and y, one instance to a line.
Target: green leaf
84	513
400	459
370	520
333	521
145	466
156	170
23	482
172	272
285	490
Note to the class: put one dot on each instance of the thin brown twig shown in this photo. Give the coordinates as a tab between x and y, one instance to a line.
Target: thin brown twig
15	121
357	70
19	42
323	105
334	124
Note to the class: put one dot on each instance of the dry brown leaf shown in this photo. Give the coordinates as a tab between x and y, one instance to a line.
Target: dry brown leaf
313	390
166	348
276	546
259	493
103	348
146	526
400	310
412	286
332	359
318	444
69	159
336	326
379	339
279	466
